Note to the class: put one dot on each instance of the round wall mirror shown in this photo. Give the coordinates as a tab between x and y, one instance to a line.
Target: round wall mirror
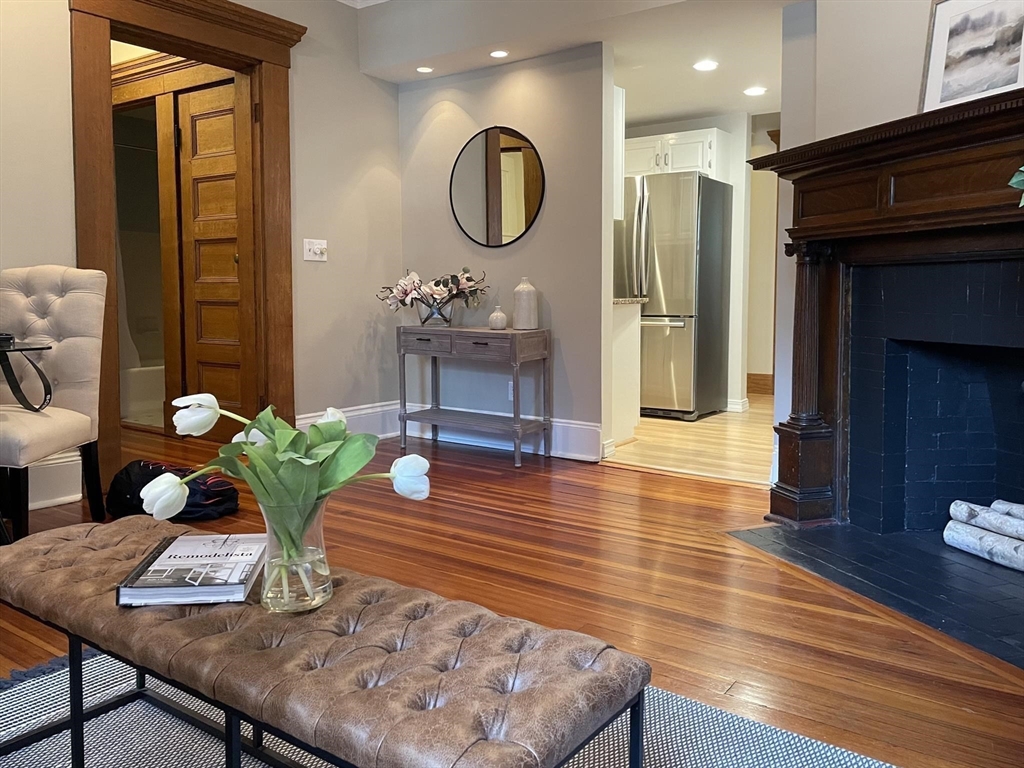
497	186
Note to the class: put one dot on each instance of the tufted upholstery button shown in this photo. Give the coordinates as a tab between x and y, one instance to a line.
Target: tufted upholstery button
334	677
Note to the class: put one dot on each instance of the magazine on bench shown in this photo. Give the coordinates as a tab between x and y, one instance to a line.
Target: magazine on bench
183	570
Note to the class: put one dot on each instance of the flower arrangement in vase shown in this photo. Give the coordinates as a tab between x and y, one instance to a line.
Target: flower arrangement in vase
291	474
433	297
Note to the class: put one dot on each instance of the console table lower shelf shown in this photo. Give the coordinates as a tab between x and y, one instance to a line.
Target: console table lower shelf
481	422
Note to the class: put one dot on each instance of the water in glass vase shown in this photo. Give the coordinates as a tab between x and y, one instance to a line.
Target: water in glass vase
296	576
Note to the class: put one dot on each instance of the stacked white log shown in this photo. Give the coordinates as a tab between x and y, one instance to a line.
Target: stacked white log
995	533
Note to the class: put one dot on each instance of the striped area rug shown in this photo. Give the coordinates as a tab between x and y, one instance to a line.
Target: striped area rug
679	733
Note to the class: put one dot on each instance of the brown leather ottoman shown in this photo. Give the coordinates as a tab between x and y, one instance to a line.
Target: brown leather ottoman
381	676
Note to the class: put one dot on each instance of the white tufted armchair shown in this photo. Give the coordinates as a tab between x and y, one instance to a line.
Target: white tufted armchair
62	307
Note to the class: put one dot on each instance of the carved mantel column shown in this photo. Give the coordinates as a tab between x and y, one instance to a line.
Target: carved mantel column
804	491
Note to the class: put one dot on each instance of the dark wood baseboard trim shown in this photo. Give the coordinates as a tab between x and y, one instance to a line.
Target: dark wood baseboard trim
760	384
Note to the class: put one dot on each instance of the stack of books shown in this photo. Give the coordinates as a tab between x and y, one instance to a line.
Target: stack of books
183	570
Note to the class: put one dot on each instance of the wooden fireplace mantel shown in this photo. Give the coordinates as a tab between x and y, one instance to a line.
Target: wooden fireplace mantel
926	188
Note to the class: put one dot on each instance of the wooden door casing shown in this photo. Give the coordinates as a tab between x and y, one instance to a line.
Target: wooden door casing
217	264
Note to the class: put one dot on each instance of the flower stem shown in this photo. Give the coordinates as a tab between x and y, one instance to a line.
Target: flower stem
359	478
234	416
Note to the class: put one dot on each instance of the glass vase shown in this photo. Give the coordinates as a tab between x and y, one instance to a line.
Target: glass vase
296	576
436	314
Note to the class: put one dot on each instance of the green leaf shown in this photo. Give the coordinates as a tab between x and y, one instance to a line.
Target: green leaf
291	440
324	450
327	432
266	465
264	422
232	467
231	449
301	480
353	455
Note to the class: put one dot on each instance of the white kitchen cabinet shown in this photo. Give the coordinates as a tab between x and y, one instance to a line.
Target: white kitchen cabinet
704	150
643	156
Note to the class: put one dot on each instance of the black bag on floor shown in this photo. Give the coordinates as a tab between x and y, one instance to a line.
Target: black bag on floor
209	496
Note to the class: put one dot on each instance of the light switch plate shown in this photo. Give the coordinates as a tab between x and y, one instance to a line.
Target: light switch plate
314	250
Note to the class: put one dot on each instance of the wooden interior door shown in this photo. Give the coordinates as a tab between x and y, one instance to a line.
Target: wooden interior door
217	266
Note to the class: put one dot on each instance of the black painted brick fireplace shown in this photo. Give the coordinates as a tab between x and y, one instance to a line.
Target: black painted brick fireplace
936	398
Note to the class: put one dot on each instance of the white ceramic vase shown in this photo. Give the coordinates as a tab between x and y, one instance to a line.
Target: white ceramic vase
498	321
524	312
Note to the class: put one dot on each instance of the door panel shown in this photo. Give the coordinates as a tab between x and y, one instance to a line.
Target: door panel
642	156
687	154
671	257
666	364
216	241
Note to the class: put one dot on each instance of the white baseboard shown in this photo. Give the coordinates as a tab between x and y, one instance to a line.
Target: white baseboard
738	406
607	449
379	419
580	440
55	480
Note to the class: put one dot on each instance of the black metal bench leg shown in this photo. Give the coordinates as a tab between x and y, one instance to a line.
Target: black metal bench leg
77	701
257	736
636	732
232	739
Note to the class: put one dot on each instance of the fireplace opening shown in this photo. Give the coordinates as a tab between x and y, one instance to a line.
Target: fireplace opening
936	398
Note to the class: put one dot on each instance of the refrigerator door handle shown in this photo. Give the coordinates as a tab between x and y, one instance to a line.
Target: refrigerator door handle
644	251
634	256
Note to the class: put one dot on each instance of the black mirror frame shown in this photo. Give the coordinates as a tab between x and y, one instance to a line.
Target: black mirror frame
540	203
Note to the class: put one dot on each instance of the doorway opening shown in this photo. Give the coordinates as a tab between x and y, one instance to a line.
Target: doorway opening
187	309
692	331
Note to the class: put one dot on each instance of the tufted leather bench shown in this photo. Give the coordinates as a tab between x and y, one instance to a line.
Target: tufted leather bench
381	676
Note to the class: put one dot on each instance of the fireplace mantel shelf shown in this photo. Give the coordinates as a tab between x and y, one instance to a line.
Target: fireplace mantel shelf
924	189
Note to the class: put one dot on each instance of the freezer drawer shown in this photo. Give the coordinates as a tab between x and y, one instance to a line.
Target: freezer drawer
667	363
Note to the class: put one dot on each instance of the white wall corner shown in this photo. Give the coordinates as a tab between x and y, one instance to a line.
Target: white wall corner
579	440
738	406
55	480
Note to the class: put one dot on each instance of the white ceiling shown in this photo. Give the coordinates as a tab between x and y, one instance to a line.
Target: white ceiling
655	43
655	52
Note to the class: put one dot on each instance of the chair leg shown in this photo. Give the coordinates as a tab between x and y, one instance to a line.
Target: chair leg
5	536
14	499
93	485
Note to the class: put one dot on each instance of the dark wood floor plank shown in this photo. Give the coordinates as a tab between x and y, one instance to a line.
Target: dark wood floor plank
644	561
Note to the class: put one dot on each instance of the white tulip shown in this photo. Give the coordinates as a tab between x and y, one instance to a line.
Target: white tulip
409	476
332	414
198	414
255	437
165	496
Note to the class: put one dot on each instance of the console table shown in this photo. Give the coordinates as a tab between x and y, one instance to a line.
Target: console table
511	347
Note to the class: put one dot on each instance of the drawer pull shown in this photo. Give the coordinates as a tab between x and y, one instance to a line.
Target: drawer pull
420	338
481	343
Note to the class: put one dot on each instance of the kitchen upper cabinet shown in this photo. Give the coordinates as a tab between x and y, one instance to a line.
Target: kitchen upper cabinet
643	156
705	151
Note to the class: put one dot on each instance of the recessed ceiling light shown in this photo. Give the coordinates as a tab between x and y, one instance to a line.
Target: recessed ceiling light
499	54
705	65
756	90
424	70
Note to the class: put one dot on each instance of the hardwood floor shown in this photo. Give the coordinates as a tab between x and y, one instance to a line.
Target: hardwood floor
726	446
644	561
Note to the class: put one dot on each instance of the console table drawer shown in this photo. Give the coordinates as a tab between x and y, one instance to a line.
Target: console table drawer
474	346
426	342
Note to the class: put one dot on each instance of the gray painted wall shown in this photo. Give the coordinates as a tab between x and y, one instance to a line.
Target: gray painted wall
556	101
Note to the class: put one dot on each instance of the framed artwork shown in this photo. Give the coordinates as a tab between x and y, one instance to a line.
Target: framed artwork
974	50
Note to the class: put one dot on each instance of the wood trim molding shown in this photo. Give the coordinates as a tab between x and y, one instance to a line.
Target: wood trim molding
96	208
150	65
214	31
760	384
221	13
887	140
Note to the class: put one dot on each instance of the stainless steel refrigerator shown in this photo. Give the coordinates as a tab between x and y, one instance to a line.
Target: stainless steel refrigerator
673	248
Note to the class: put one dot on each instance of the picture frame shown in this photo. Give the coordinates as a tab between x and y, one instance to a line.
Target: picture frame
974	49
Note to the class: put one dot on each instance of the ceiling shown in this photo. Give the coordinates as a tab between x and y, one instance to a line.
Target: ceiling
655	52
655	42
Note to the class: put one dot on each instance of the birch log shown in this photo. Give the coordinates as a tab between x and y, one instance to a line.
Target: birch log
987	518
991	546
1009	508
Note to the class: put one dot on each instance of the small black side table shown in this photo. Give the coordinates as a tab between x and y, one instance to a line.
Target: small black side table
12	380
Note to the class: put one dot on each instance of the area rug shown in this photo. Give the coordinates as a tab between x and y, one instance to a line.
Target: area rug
679	733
